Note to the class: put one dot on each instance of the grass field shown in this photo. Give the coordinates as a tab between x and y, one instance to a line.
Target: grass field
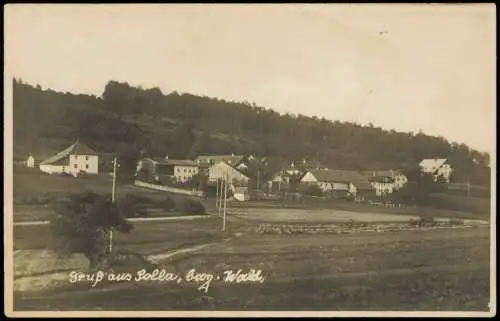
419	270
473	208
145	238
31	186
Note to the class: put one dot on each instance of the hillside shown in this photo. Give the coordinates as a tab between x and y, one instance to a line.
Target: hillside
131	121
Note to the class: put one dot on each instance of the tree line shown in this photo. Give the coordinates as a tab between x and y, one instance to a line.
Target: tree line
134	122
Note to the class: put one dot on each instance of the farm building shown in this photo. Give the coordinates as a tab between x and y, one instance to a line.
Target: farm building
73	160
343	181
162	170
223	170
438	167
239	162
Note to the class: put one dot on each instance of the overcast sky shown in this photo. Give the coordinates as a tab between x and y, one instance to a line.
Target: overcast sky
402	67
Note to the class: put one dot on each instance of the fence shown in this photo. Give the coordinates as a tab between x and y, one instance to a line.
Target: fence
168	189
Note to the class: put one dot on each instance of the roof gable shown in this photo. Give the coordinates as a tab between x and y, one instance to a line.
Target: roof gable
432	164
76	148
329	176
231	167
234	160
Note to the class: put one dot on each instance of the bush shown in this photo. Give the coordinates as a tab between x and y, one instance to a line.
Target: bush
194	207
427	221
168	204
132	205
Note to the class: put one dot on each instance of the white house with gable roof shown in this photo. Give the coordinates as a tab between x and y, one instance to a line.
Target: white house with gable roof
437	167
72	160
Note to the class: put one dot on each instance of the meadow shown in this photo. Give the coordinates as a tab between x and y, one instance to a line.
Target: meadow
406	270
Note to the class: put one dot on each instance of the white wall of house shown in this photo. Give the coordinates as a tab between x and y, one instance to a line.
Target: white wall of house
383	188
399	181
85	163
444	171
335	186
220	170
241	196
184	173
30	161
352	189
54	169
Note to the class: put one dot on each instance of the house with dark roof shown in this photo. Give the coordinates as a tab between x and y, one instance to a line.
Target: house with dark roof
295	171
73	160
351	182
164	169
239	162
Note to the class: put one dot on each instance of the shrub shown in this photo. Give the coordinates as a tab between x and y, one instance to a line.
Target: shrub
80	225
193	207
168	204
132	205
427	221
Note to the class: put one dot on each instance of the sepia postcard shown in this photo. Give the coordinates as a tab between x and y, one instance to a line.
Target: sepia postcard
260	160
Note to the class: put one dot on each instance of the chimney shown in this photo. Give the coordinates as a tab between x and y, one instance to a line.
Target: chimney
303	161
232	154
166	157
293	164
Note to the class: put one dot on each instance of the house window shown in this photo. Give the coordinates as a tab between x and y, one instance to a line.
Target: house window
184	170
87	166
75	166
86	158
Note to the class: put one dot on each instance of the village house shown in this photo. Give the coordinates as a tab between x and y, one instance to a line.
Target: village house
163	170
239	162
234	167
223	170
386	181
437	167
73	160
296	170
30	161
342	182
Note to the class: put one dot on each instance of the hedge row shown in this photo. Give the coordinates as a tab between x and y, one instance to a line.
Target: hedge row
354	227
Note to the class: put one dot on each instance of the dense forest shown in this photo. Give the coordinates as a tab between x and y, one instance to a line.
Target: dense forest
134	121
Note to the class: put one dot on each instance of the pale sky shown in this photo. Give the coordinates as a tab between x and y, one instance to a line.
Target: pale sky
402	67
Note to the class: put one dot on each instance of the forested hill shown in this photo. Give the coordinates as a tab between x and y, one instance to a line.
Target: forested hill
131	120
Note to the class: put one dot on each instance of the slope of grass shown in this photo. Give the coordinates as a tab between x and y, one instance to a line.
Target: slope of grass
410	271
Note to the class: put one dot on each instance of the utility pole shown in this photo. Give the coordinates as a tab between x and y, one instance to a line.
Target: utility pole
220	196
110	235
258	178
225	205
217	196
468	188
